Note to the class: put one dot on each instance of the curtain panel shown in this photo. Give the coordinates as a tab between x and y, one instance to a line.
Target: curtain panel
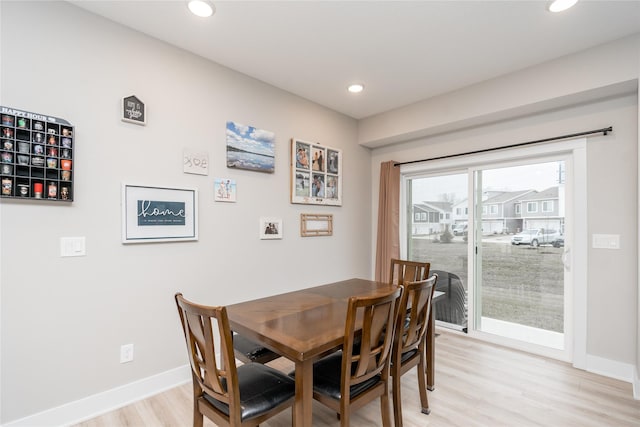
388	237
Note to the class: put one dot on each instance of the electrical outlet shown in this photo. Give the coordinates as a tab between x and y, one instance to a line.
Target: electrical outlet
126	353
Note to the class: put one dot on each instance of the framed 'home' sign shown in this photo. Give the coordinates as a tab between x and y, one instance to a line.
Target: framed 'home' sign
316	174
158	214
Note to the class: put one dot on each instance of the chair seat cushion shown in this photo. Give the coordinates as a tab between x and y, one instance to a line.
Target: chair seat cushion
262	388
326	378
407	355
253	351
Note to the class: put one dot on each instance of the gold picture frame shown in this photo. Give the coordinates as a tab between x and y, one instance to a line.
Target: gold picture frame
313	225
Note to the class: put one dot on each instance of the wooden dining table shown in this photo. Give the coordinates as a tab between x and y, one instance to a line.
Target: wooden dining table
304	326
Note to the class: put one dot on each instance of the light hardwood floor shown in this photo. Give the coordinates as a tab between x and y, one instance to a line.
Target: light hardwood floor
477	384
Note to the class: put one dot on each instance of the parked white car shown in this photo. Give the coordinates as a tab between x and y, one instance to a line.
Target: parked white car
460	229
535	237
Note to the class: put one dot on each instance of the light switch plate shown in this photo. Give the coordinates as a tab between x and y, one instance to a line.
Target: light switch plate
72	246
606	241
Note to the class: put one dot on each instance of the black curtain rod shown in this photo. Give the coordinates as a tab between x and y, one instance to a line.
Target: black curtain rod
604	131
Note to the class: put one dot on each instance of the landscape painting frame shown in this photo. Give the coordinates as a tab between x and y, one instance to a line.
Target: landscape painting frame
250	148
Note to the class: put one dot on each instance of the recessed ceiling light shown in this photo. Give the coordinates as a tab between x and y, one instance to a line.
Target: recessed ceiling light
201	8
560	5
356	88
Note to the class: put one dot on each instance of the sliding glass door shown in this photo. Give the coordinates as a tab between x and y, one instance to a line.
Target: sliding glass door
520	221
497	233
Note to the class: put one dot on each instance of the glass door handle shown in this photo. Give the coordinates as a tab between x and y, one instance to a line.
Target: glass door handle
566	259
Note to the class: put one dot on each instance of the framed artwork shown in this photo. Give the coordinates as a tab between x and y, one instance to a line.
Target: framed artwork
158	214
270	228
250	148
312	225
224	190
316	174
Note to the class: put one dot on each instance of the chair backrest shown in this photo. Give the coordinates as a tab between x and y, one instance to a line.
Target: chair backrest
413	315
408	271
203	327
376	315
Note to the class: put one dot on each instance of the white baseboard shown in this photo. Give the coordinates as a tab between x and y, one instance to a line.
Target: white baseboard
611	368
636	384
98	404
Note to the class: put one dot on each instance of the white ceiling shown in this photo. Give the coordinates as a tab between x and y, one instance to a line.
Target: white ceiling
403	51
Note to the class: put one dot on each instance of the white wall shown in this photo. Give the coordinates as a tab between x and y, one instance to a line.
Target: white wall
603	71
605	95
64	319
636	388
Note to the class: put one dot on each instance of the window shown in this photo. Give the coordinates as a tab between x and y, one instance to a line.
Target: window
547	206
423	216
458	211
494	209
484	209
517	208
416	217
532	207
447	215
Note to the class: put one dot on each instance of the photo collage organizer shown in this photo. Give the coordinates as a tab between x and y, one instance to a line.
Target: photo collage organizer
316	174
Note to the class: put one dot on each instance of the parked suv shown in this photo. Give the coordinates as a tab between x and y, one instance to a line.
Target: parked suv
535	237
460	229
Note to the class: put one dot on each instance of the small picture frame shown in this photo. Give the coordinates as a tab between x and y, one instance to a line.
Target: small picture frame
312	225
224	190
270	228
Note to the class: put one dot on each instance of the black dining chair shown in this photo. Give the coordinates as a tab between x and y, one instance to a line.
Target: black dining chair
452	306
228	395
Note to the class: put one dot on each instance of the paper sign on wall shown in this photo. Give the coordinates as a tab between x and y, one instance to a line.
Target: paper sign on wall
195	162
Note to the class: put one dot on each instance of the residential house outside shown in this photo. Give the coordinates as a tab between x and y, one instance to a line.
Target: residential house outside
460	211
503	212
431	218
498	212
542	209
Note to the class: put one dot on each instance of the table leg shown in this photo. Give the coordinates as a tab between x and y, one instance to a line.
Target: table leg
431	350
302	415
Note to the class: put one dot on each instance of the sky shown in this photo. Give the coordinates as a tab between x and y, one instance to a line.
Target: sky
250	139
538	177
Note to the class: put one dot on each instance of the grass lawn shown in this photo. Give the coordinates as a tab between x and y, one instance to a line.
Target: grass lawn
519	284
